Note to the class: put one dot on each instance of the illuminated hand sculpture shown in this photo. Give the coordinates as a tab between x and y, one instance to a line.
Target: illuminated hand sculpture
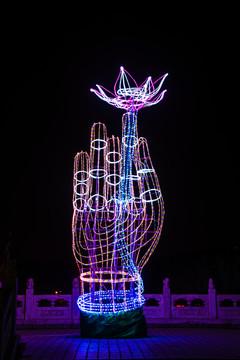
118	205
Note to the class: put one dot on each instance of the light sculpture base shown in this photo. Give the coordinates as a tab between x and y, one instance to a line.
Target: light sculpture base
128	324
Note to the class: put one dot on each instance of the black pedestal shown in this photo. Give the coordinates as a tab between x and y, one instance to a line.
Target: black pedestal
129	324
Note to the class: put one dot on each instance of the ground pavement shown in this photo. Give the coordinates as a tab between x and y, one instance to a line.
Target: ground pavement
161	343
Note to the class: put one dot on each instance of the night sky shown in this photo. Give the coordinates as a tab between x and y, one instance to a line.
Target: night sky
192	135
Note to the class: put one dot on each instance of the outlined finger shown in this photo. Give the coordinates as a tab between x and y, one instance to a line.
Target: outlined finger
97	167
113	178
150	188
81	181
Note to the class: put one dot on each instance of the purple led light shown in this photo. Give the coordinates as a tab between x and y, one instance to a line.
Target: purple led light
118	204
128	95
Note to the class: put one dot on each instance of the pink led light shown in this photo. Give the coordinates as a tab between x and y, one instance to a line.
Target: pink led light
130	97
118	204
102	267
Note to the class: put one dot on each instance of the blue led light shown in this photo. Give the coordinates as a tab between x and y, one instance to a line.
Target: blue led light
118	205
103	302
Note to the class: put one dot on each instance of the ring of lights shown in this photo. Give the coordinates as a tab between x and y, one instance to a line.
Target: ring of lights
113	176
97	173
145	171
99	141
127	139
132	177
113	153
81	172
96	197
81	185
103	302
132	91
82	207
156	192
124	276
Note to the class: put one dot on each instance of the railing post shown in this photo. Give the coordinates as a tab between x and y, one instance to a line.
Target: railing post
212	300
29	300
166	309
75	295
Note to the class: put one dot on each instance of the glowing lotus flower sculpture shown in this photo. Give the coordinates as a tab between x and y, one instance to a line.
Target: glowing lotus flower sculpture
132	97
118	205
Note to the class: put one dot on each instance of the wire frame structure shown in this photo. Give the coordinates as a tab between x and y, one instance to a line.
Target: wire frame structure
118	204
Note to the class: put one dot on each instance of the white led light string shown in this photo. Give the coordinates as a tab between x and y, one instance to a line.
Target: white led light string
114	188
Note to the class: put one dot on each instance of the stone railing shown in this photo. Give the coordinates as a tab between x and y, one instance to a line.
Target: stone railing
165	308
48	309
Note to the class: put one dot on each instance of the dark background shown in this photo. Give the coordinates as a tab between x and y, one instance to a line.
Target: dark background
192	134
